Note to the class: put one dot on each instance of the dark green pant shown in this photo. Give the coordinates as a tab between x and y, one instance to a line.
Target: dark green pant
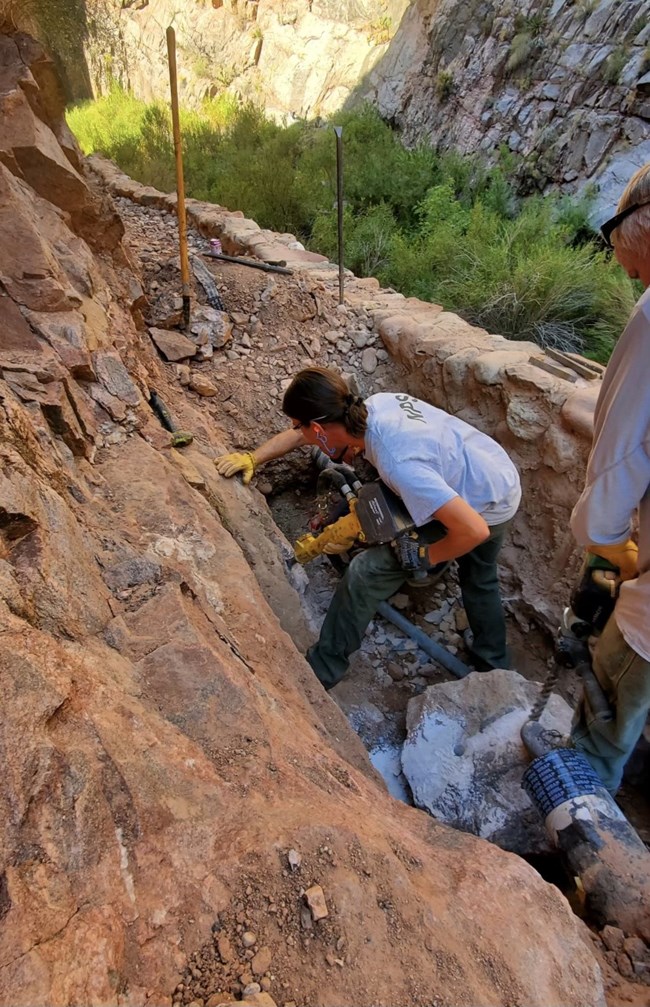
374	575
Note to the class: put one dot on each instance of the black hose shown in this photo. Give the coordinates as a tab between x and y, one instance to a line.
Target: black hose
161	411
324	462
338	479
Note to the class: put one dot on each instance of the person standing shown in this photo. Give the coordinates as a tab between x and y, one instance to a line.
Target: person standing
616	493
459	486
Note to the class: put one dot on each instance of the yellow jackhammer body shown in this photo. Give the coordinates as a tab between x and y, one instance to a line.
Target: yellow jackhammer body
346	530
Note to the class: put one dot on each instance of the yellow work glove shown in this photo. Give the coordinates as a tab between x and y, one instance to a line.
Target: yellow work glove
229	465
334	548
624	556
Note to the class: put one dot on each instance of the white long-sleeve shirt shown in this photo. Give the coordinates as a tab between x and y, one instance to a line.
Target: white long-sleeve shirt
618	472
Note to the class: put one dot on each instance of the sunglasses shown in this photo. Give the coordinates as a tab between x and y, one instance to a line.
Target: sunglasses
316	419
618	218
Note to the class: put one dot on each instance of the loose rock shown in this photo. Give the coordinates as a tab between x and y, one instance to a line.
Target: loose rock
294	859
261	963
173	345
202	386
252	989
315	899
369	360
225	948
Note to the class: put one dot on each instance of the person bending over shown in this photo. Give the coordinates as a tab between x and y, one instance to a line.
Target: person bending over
459	486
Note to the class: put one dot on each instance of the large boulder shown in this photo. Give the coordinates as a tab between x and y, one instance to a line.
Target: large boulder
464	758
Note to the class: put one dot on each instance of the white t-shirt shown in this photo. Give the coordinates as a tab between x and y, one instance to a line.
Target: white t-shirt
618	472
428	457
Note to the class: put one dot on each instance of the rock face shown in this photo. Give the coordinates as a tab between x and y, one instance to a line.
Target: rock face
464	759
303	57
560	83
164	743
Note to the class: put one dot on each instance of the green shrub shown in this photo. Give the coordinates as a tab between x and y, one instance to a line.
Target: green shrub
380	30
444	84
521	278
368	238
520	49
587	7
113	122
614	64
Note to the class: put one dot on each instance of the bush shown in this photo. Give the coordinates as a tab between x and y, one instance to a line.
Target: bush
521	278
614	65
520	49
443	227
444	84
368	238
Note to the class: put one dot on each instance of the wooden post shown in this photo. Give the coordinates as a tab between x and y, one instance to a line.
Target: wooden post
180	185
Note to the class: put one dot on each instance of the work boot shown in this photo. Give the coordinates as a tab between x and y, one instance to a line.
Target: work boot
541	740
475	661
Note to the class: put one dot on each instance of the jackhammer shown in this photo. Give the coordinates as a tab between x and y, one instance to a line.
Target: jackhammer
376	515
601	849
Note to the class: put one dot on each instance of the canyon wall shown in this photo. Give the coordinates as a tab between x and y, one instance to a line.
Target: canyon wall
563	84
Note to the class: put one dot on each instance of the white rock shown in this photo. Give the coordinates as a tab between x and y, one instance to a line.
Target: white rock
464	758
400	601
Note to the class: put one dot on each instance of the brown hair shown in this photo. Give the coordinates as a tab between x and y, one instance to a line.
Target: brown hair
319	394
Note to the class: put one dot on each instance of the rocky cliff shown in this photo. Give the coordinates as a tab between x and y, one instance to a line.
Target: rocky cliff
564	84
175	781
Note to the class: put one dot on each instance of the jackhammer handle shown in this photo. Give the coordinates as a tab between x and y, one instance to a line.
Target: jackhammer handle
345	530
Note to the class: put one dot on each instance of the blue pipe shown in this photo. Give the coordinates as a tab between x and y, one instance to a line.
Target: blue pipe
424	642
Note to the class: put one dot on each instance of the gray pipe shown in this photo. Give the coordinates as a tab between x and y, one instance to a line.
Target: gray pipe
424	642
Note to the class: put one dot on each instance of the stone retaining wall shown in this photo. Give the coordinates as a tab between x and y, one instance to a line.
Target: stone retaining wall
544	420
